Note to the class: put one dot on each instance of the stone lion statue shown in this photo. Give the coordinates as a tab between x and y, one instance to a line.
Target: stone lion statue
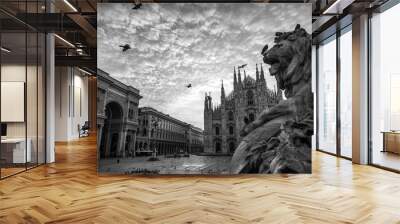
279	140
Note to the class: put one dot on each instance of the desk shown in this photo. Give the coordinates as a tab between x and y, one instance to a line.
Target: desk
13	150
391	141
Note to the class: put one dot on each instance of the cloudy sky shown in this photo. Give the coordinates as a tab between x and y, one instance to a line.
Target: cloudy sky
177	44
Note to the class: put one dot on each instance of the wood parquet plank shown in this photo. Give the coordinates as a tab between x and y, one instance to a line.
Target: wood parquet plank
70	191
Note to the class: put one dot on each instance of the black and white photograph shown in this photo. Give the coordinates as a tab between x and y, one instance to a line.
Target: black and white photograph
204	88
200	112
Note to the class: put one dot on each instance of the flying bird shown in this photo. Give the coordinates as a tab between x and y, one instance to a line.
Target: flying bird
242	66
136	5
125	47
189	85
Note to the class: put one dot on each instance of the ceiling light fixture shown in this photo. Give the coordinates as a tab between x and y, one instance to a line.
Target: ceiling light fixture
64	40
79	51
88	73
337	7
70	5
5	50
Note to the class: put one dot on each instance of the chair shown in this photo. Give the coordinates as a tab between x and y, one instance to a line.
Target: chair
84	130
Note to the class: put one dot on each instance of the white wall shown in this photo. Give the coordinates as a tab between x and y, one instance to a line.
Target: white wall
33	126
16	73
61	103
71	102
80	102
10	73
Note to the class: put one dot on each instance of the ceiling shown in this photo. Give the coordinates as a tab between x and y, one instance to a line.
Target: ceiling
75	22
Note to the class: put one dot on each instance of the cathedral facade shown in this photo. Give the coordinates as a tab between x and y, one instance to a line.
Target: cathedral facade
222	123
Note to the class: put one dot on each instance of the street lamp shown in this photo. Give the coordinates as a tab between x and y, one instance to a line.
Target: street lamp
154	125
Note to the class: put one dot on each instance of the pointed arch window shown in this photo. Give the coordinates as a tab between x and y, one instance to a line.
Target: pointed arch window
230	115
250	97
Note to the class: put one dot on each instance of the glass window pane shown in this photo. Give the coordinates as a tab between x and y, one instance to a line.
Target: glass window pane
327	96
41	99
31	97
385	89
23	90
13	87
346	94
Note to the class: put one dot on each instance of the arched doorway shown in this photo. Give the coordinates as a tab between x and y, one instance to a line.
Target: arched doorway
231	147
216	130
250	97
218	147
251	117
114	145
111	131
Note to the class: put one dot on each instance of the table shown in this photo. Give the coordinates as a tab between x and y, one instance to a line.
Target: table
13	150
391	141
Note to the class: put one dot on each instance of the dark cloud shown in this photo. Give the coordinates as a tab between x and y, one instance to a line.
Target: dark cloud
176	44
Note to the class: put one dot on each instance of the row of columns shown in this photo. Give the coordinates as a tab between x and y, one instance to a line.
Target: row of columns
123	134
163	148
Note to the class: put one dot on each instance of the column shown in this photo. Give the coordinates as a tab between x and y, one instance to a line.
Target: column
107	139
50	92
360	90
92	110
190	142
99	134
121	147
134	143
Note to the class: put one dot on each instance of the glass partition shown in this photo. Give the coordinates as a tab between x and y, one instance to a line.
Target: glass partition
41	96
346	92
385	89
327	95
13	94
31	97
22	101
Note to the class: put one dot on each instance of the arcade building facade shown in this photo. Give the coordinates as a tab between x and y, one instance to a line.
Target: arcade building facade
117	117
165	134
125	130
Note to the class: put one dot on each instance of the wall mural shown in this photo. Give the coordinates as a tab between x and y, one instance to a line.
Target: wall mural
204	88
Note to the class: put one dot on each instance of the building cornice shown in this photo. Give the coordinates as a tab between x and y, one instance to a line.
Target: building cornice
152	111
126	89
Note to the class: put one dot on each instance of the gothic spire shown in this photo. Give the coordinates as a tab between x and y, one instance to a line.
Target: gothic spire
239	77
222	90
234	77
257	74
262	73
205	102
209	100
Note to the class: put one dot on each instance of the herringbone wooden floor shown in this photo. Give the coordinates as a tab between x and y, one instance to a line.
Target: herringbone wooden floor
70	191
